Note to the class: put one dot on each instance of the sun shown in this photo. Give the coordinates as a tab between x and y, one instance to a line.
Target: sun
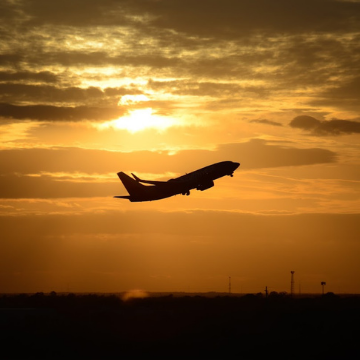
139	120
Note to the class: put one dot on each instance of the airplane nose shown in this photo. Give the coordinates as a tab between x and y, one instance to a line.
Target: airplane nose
236	165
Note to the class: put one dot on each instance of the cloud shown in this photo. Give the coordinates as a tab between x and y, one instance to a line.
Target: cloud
325	127
231	18
344	93
17	165
101	58
252	154
259	154
206	88
79	13
227	18
266	122
260	49
11	58
15	93
57	113
44	76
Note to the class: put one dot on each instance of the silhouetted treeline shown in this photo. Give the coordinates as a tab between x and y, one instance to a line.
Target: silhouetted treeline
52	326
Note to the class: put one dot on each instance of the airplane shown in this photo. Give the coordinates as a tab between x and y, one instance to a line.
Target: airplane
201	179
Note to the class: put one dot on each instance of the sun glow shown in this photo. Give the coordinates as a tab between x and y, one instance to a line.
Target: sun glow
139	120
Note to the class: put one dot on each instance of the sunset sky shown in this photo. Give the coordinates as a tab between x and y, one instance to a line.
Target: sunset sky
160	88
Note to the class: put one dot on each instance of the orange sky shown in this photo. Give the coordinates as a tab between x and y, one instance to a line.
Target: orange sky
161	88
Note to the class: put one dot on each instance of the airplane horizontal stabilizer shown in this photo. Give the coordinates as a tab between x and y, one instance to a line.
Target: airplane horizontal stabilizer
135	177
152	182
122	197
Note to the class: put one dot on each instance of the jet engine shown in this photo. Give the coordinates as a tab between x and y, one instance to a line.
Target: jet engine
205	185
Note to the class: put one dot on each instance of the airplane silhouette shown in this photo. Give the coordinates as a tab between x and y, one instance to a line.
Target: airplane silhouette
201	179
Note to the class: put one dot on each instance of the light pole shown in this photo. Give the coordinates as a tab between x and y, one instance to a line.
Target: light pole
323	283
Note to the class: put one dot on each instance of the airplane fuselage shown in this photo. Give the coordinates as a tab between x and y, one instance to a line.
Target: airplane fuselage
200	179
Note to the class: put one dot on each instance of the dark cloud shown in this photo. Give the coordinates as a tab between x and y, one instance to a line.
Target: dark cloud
259	154
14	92
325	127
238	51
11	59
345	94
304	61
56	113
253	34
231	18
69	58
6	10
45	93
98	58
253	154
94	103
80	13
205	88
266	122
222	19
42	76
227	19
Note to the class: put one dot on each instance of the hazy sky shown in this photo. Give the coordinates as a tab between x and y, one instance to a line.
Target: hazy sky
89	88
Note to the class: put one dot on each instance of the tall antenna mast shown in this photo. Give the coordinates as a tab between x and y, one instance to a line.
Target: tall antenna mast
292	283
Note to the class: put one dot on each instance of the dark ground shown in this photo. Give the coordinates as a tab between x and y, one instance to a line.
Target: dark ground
53	326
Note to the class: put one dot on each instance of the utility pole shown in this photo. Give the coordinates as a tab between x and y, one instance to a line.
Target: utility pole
229	285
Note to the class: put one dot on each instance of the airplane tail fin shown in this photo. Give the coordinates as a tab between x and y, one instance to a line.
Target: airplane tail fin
133	187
